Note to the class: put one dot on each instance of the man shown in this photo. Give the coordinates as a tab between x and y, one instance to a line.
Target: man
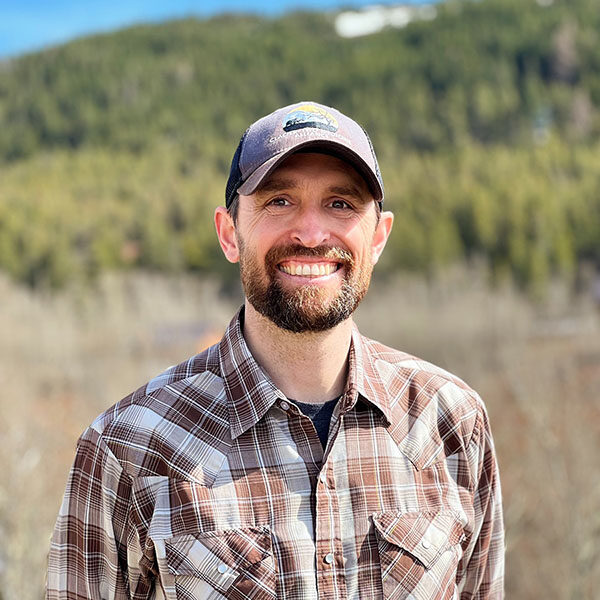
295	459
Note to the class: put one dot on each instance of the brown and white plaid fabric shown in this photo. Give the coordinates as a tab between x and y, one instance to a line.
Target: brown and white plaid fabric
206	483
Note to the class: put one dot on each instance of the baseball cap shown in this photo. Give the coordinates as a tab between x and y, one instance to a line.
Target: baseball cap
301	126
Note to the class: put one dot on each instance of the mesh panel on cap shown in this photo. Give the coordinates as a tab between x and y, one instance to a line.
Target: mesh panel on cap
377	171
235	174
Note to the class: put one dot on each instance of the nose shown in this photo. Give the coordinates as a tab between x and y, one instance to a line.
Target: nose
310	228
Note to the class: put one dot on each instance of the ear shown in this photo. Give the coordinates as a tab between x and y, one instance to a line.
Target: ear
382	232
226	234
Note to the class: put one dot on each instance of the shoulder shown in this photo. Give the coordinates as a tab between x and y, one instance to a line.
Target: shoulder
155	430
434	414
403	360
425	381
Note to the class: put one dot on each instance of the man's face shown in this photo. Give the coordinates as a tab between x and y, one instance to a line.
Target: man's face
307	242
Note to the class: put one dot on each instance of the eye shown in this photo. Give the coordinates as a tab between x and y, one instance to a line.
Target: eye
278	201
340	204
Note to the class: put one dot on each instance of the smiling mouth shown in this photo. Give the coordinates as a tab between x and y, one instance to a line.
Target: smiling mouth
304	269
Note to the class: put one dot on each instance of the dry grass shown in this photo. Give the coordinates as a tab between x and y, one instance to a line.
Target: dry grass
67	357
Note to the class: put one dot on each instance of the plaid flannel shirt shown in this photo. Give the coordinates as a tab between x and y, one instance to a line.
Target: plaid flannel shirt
207	483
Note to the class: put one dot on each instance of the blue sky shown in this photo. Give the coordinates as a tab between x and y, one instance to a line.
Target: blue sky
28	25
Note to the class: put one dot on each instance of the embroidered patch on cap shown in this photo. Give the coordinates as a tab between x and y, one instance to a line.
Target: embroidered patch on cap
309	115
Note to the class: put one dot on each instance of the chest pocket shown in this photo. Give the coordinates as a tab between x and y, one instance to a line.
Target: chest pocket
419	554
233	564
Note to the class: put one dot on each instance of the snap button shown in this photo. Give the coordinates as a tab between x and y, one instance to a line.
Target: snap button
222	569
284	405
426	544
329	558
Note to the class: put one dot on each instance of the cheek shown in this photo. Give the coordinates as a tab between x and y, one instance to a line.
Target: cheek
260	239
366	248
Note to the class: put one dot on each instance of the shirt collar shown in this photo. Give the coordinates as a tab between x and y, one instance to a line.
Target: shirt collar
364	379
376	374
405	390
250	393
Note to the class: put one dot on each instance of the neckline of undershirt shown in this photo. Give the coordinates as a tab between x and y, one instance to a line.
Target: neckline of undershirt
320	415
311	409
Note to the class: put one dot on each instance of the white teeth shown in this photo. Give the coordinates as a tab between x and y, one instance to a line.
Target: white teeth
309	270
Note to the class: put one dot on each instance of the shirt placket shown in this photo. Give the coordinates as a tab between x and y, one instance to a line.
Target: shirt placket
329	559
331	578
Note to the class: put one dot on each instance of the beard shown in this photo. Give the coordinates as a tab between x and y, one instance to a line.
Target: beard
305	308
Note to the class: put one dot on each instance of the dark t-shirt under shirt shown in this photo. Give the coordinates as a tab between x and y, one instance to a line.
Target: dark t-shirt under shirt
320	415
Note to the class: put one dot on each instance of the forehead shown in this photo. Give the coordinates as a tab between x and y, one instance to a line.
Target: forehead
315	167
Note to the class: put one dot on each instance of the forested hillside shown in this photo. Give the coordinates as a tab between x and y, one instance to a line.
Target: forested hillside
114	149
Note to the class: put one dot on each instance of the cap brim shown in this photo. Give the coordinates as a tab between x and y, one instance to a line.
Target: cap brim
254	181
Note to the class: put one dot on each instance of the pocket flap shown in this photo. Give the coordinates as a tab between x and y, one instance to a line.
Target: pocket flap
425	535
233	549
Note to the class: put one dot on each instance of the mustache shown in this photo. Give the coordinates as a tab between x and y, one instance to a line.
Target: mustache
279	253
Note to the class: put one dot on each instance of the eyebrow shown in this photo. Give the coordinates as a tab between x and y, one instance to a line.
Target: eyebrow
348	190
277	184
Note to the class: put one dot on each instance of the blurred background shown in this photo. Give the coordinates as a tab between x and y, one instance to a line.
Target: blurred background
117	126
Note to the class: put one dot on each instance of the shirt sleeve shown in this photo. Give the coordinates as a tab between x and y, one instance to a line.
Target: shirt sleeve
482	573
89	551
